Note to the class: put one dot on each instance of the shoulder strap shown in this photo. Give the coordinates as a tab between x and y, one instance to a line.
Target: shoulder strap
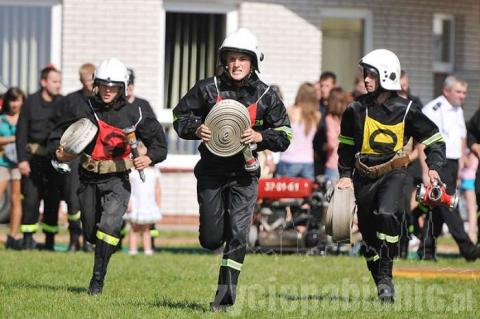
91	107
216	85
268	88
408	109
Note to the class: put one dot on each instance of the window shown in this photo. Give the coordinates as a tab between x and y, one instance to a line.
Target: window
191	44
443	43
26	42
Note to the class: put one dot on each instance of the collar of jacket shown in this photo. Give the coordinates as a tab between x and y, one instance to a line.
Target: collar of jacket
250	84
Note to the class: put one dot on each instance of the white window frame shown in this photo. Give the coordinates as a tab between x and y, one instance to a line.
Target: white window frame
351	13
444	67
231	12
56	32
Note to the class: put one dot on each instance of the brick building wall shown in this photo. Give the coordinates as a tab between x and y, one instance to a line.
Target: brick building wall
95	30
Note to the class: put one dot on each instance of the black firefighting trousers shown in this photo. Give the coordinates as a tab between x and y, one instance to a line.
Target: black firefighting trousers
43	182
226	210
103	204
380	211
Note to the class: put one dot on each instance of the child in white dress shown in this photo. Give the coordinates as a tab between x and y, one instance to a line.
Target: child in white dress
144	207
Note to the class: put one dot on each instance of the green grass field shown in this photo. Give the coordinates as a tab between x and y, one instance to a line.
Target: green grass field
181	285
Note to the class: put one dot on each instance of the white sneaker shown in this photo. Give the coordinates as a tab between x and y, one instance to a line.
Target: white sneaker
133	252
148	252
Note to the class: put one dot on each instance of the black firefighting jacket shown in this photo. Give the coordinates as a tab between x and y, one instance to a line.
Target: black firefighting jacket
35	122
271	119
417	125
120	115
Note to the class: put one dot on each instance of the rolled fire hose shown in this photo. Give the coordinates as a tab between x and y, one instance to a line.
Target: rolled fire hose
339	216
74	140
227	121
78	136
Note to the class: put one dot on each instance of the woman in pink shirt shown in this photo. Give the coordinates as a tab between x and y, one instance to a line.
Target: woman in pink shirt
337	103
297	160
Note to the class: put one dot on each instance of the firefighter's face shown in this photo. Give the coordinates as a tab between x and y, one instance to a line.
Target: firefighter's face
238	65
371	81
108	93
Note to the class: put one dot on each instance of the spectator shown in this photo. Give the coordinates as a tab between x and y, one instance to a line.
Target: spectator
71	181
144	206
297	160
447	113
326	83
405	91
337	103
359	88
39	178
9	173
467	186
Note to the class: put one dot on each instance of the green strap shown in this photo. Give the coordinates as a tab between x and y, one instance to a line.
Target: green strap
29	228
387	238
433	139
53	229
231	264
107	238
154	233
373	258
123	231
74	217
287	130
346	140
411	229
423	208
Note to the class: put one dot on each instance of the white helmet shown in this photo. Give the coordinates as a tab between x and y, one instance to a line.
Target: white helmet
242	41
387	66
111	72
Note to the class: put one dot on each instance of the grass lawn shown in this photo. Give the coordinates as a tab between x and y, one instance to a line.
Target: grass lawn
181	285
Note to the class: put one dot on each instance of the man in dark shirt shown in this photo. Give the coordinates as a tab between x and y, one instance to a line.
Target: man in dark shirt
71	179
39	179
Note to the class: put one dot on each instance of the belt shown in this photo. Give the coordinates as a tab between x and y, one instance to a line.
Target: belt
36	149
399	160
105	166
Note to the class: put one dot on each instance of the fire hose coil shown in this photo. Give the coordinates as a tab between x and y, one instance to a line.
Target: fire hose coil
78	136
227	120
339	216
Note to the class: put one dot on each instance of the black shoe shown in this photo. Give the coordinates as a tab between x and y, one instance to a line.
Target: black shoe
386	290
218	308
12	243
87	247
471	253
95	287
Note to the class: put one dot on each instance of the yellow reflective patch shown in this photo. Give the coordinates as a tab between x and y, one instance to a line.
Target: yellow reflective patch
107	238
379	138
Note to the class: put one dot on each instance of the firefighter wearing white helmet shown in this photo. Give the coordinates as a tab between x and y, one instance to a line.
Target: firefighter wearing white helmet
373	156
226	192
105	163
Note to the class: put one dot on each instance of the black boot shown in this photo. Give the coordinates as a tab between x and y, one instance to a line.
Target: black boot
373	266
12	243
227	289
385	288
74	227
50	241
103	252
28	242
471	252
